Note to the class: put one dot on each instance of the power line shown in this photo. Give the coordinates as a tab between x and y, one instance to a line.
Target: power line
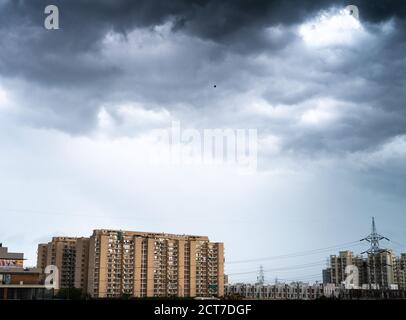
399	244
297	254
294	267
308	277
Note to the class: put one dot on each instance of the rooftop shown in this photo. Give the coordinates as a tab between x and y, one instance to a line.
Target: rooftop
4	254
151	234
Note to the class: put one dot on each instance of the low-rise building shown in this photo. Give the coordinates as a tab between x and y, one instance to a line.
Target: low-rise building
17	282
277	291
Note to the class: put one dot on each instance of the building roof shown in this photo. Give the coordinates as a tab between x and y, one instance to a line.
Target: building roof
152	234
16	270
4	254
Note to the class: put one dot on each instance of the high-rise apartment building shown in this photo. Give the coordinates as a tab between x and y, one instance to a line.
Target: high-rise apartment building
62	253
381	268
338	263
400	271
326	276
144	264
362	265
115	263
81	263
377	270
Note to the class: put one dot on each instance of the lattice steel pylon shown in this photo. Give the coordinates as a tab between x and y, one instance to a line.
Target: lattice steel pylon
261	275
373	238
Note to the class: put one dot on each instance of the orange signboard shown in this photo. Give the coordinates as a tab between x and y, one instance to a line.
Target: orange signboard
11	263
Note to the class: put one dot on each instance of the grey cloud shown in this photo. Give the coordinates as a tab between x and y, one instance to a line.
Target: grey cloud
378	11
54	56
69	73
235	24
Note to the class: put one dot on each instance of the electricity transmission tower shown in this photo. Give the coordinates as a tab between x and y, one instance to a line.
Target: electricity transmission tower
261	275
373	238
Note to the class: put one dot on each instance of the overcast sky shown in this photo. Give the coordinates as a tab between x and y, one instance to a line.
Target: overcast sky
325	91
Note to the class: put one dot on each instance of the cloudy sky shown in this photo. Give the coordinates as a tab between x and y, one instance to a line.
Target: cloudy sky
326	92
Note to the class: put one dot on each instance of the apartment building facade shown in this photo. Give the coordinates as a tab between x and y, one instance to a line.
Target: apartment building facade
381	269
378	270
400	271
70	256
144	264
113	263
338	263
306	291
277	291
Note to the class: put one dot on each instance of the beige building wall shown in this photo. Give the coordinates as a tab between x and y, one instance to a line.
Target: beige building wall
61	252
181	268
91	275
156	265
81	263
220	271
192	268
338	265
150	267
137	266
102	266
42	256
381	269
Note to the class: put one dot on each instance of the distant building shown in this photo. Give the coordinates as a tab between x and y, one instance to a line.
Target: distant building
377	270
10	259
327	276
306	291
277	291
400	271
338	263
362	265
381	269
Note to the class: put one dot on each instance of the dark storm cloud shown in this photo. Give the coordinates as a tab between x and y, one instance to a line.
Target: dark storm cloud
378	11
234	25
69	76
55	56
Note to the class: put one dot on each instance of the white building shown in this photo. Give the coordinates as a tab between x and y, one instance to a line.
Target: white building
278	291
